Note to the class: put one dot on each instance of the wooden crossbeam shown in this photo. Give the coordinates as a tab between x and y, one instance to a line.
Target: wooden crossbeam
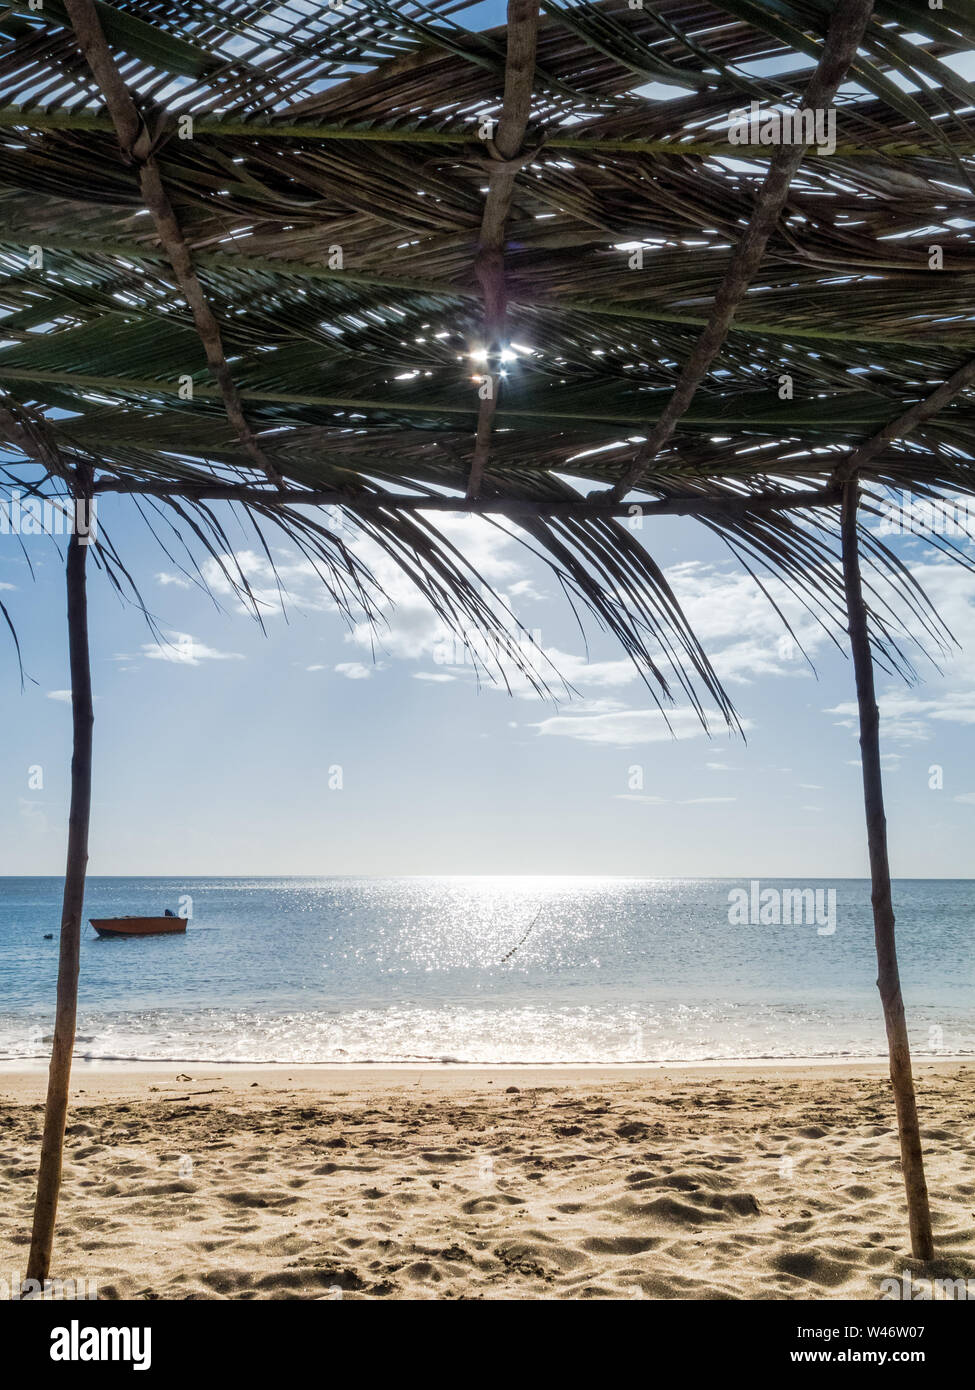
136	149
692	505
506	151
904	423
846	29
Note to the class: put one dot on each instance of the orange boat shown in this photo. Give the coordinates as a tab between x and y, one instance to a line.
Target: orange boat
137	926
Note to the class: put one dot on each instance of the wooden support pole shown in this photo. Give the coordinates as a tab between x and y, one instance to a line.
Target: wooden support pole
888	975
62	1048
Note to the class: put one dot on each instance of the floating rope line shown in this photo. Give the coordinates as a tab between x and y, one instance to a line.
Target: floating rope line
523	939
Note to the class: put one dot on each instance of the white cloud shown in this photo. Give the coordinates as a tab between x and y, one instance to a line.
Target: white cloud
734	620
298	577
623	728
432	676
410	630
354	670
738	626
64	696
580	672
525	589
32	816
905	717
184	650
913	716
890	761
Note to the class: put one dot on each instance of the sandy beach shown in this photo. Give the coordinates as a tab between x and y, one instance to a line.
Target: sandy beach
745	1183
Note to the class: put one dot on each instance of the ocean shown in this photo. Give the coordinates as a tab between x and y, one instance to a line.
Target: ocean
489	970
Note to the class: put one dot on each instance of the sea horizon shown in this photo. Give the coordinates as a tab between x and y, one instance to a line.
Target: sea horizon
647	878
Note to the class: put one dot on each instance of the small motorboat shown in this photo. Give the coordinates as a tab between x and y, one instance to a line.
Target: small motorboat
137	926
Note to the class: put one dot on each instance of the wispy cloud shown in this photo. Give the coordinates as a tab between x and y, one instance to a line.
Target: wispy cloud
906	718
623	728
184	650
739	628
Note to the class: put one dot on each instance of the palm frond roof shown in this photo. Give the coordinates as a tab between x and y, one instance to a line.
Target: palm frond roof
339	188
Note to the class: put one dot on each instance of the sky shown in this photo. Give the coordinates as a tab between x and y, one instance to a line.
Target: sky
310	748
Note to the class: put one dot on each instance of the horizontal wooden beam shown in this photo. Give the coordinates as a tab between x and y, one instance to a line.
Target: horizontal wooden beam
694	505
847	28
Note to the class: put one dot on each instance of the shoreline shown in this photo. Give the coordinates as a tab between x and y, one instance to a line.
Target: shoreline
87	1066
20	1084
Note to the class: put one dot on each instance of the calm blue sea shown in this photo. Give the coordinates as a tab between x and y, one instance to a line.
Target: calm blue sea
486	970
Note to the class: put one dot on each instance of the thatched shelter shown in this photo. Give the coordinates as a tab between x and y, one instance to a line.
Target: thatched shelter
283	258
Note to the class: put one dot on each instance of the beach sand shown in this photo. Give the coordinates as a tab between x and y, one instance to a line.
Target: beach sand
211	1182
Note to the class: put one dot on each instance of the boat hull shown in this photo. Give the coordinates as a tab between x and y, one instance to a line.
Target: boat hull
138	926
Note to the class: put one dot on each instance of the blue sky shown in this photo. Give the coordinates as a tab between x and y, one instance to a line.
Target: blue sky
214	755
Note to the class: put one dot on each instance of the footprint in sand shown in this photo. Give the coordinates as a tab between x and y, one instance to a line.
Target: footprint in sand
475	1205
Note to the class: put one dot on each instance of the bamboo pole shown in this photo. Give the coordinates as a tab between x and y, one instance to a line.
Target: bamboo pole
59	1075
888	975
